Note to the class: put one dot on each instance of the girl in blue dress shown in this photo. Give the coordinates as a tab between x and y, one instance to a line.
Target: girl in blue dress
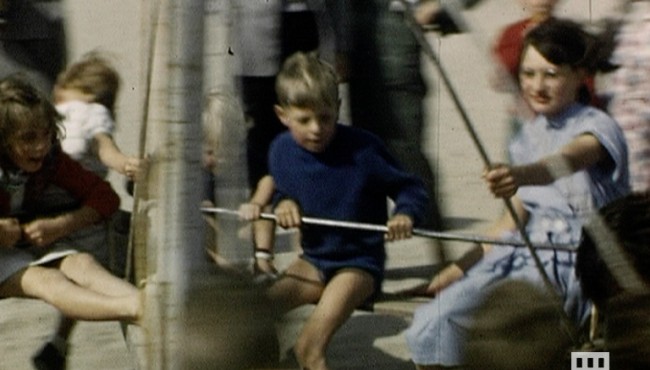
568	161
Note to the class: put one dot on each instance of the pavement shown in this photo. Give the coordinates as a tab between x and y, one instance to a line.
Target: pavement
368	340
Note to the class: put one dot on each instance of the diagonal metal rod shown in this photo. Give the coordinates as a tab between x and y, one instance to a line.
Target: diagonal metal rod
431	54
461	237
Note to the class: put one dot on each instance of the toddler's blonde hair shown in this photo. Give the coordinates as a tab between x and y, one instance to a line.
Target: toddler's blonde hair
93	74
223	119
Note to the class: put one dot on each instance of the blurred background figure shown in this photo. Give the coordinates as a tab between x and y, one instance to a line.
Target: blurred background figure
223	168
228	325
387	89
629	88
33	39
517	327
614	268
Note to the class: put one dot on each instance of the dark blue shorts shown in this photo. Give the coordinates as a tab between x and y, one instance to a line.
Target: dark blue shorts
328	269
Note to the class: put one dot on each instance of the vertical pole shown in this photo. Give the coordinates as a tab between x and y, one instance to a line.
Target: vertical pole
177	242
219	66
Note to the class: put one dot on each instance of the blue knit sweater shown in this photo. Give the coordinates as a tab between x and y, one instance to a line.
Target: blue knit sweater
349	181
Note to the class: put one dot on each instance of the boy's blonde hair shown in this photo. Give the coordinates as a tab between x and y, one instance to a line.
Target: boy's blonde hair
306	81
93	75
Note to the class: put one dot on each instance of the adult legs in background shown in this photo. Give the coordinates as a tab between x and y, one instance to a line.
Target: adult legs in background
387	90
258	95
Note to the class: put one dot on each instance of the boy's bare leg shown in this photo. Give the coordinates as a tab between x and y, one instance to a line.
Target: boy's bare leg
345	292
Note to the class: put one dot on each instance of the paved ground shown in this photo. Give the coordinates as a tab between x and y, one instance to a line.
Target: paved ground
368	340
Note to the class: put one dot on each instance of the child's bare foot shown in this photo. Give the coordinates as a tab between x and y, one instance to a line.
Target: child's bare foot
264	271
220	261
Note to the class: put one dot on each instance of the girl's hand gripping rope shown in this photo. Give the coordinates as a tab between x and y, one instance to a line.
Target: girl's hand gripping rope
501	180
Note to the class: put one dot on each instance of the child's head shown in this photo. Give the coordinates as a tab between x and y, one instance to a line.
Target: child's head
539	9
555	61
93	78
221	111
29	125
628	218
308	100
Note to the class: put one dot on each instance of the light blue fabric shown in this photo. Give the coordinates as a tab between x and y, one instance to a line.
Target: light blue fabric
556	214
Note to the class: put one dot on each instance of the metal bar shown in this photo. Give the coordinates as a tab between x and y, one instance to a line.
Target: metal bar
382	228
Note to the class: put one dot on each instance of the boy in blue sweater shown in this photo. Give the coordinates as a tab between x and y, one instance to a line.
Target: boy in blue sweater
327	170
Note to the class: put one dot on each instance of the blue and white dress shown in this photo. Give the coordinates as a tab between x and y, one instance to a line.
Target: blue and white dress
556	213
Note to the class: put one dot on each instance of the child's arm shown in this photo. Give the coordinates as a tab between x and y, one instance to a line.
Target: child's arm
583	152
252	209
263	230
45	231
288	214
112	157
400	226
10	232
98	201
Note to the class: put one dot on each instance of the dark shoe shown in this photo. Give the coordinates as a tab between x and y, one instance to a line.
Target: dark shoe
49	358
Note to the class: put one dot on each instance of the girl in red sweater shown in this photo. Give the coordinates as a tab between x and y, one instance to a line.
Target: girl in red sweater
39	235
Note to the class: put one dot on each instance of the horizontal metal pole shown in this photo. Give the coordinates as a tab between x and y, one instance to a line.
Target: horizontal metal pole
383	229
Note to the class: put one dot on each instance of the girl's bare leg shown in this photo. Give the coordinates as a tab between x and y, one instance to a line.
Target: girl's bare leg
84	270
74	301
345	292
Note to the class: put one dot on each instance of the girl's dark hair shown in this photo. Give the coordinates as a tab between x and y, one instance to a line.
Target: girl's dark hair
23	106
629	219
562	42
